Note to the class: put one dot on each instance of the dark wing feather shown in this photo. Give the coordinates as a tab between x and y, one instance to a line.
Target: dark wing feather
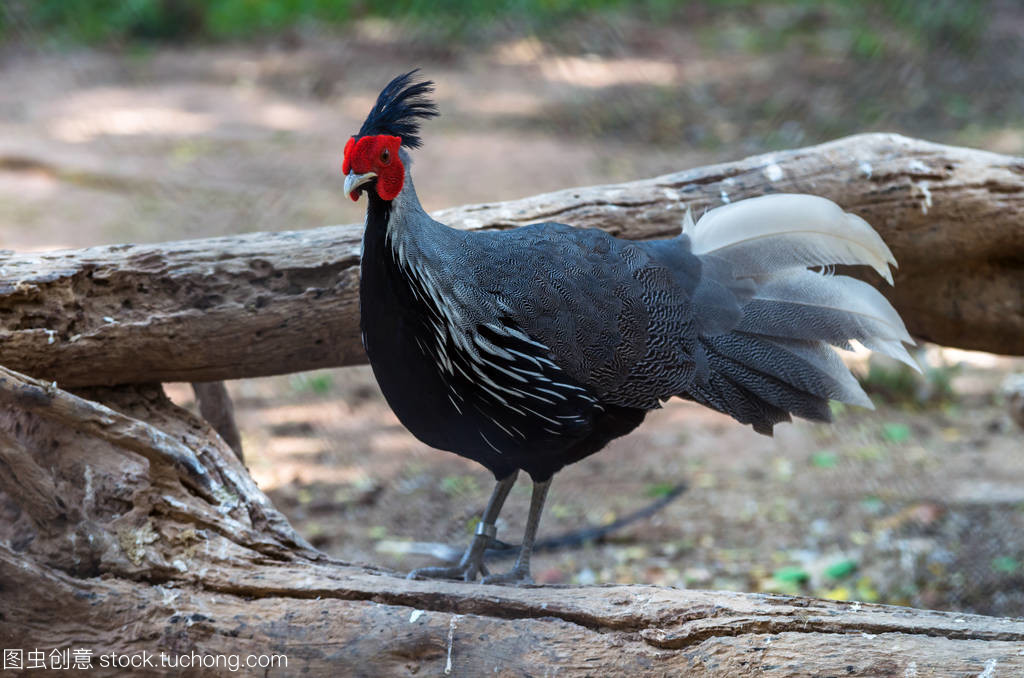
617	316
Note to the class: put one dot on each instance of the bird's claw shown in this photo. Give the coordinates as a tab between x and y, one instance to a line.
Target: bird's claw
469	567
457	572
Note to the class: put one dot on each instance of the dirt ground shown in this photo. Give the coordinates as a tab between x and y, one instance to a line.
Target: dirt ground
916	504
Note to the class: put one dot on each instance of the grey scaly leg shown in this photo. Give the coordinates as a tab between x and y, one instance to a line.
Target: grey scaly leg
472	561
520	572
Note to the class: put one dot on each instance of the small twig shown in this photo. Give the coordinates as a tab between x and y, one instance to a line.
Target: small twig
500	549
587	535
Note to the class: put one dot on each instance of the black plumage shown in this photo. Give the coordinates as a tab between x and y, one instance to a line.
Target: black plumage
531	348
399	108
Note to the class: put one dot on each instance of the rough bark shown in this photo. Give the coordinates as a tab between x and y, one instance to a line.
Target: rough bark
130	527
267	303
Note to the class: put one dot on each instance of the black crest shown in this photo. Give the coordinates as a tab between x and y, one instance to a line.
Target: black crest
398	109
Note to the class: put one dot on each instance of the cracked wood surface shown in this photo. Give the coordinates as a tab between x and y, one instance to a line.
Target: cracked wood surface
131	527
269	303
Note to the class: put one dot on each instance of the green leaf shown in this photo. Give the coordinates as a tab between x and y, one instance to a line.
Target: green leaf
791	575
872	504
825	459
895	432
1005	564
659	490
841	569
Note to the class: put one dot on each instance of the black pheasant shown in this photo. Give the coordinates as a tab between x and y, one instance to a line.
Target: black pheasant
532	348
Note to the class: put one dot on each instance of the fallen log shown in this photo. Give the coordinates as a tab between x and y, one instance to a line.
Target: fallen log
271	303
132	531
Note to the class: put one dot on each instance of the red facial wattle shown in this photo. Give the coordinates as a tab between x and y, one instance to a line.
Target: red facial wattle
377	154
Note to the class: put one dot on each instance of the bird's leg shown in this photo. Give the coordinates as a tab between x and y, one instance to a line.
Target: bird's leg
520	572
472	561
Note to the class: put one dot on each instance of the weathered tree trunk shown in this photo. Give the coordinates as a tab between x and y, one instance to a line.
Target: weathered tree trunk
130	528
268	303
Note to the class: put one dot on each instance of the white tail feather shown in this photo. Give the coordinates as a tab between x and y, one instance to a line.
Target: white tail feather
892	348
794	312
803	304
764	235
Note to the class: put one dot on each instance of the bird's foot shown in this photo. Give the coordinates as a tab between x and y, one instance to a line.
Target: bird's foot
462	571
469	567
517	576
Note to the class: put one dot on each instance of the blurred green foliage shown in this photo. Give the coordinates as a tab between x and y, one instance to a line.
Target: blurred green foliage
899	384
958	22
841	569
896	432
458	486
825	459
318	383
660	490
1005	564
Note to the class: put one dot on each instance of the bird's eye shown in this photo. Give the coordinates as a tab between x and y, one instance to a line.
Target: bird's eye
385	156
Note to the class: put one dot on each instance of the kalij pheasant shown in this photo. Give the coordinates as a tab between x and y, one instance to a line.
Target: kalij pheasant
532	348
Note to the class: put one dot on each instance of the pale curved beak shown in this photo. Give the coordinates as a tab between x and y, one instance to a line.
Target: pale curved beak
353	182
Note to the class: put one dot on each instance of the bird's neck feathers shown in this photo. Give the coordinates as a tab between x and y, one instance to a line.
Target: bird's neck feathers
402	212
402	226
